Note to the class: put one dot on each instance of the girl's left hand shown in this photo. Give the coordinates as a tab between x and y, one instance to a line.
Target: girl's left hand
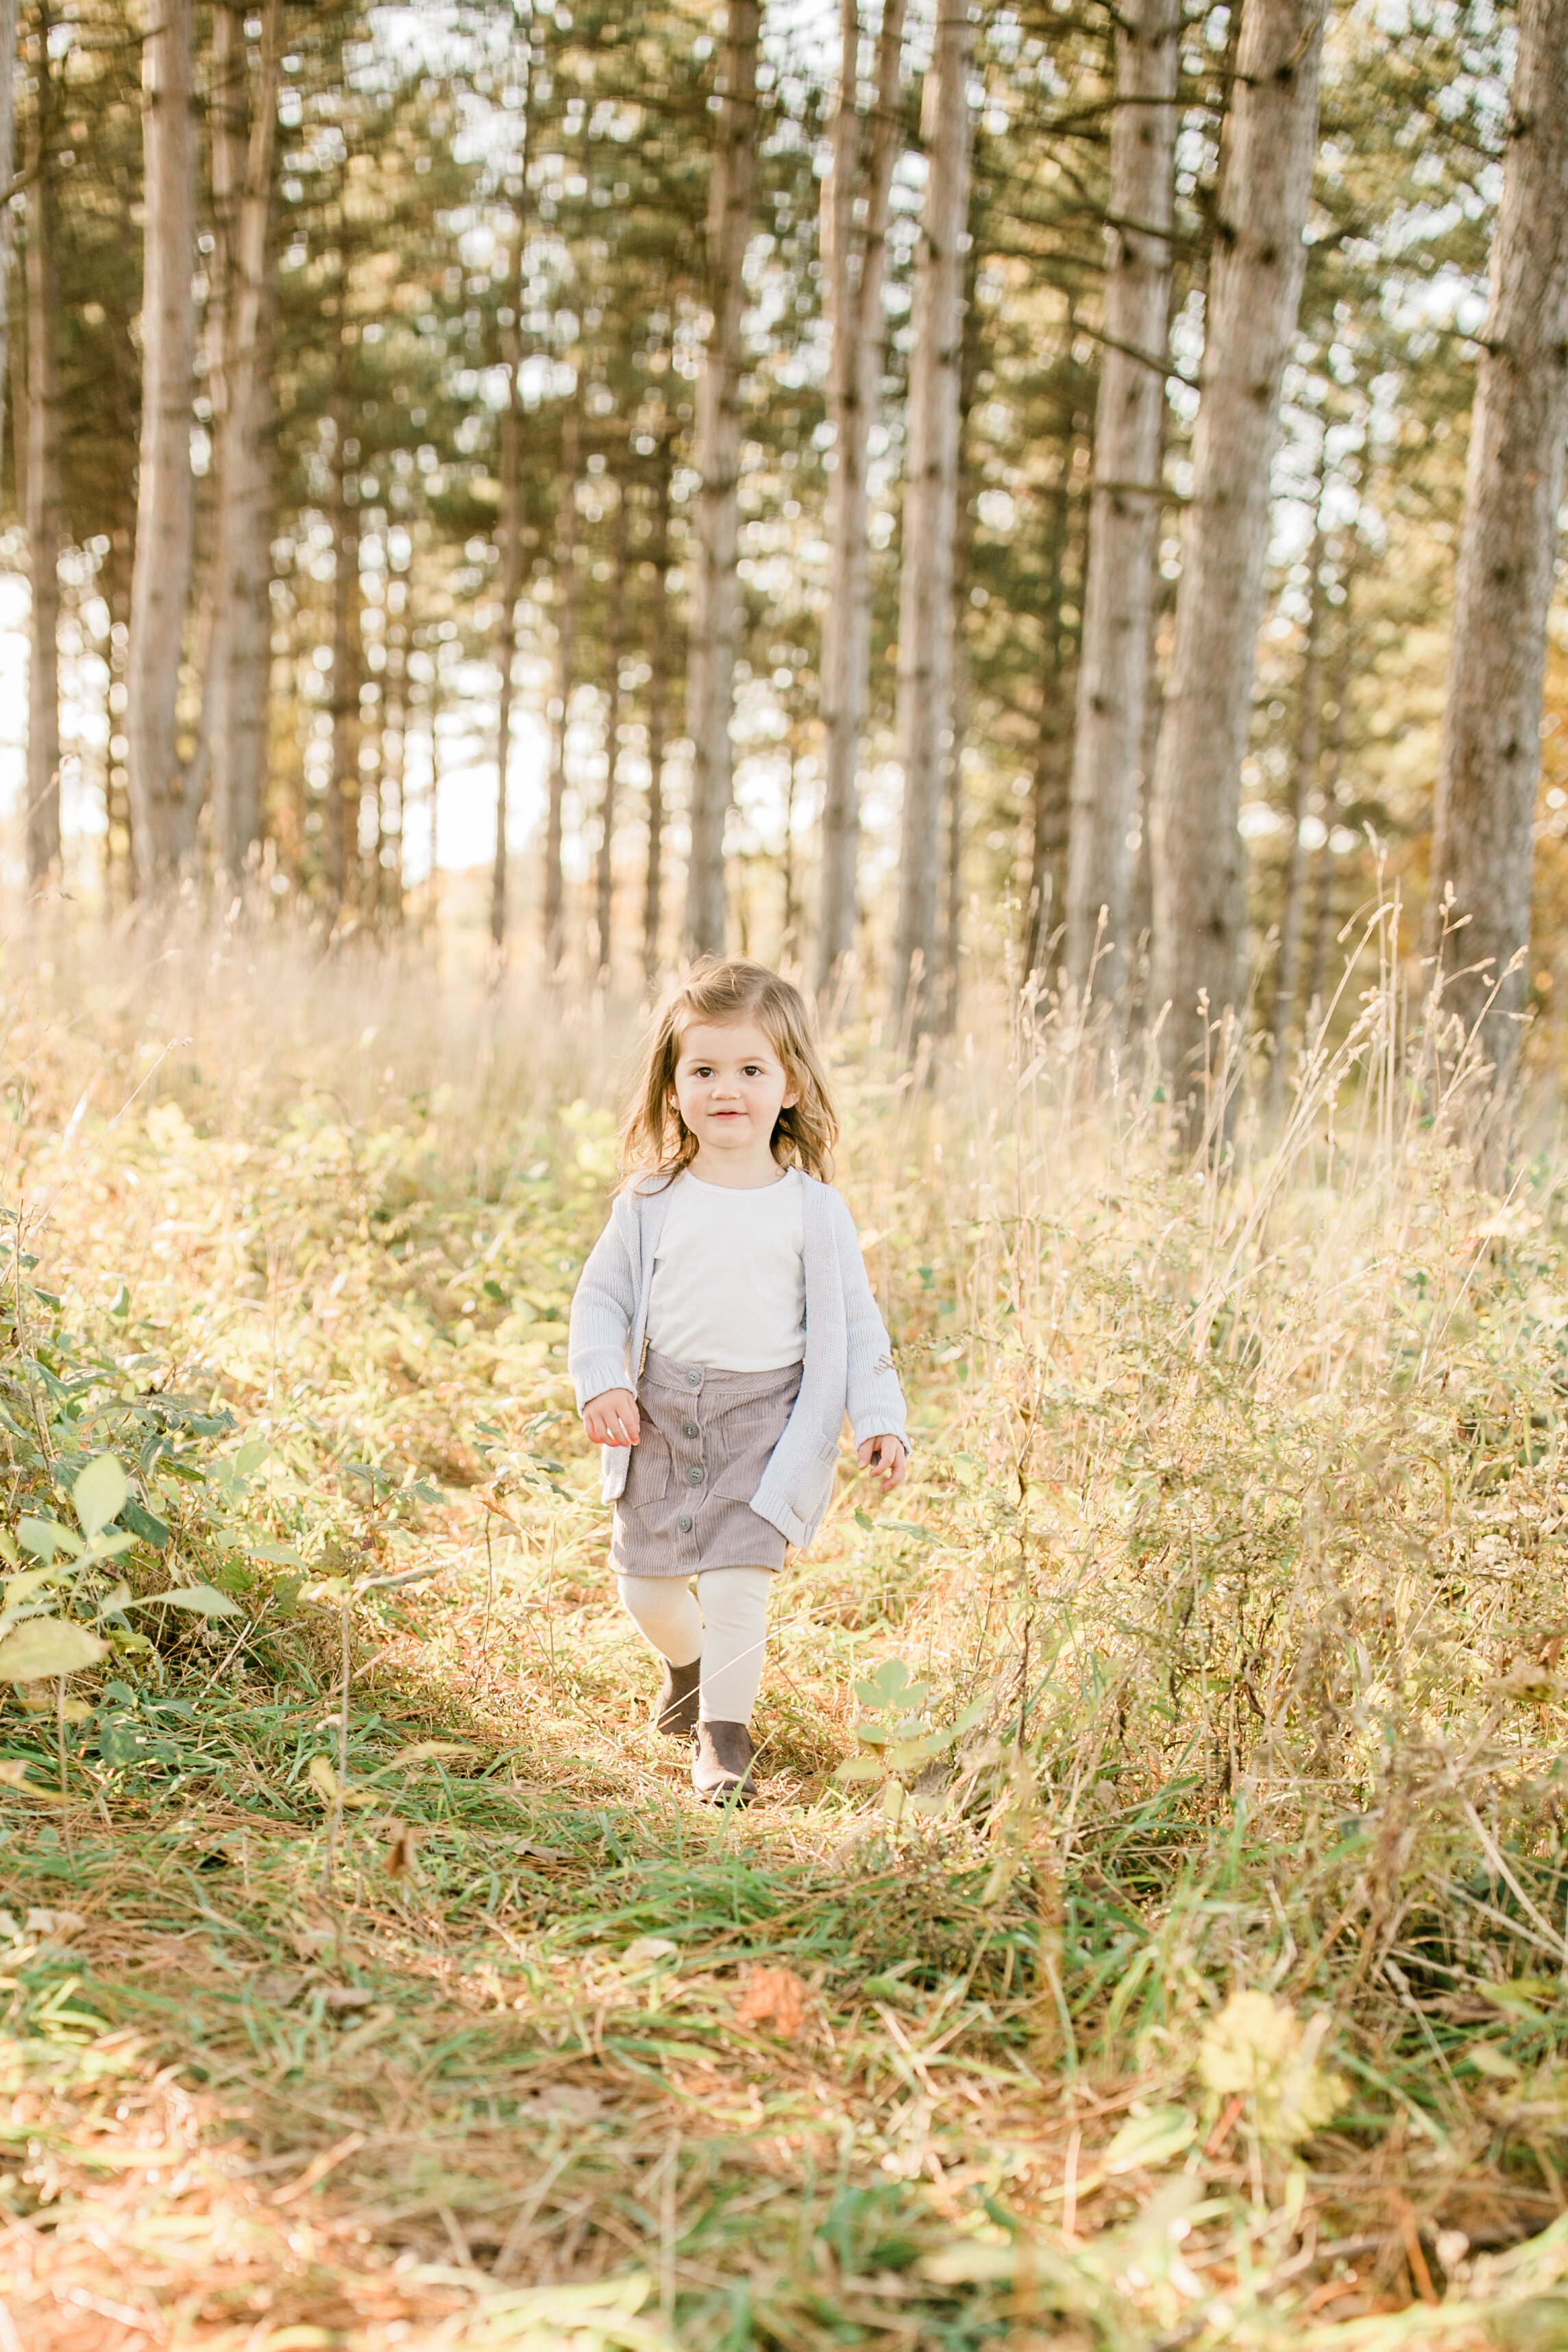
885	1458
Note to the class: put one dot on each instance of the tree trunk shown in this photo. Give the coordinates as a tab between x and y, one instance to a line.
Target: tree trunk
1048	785
340	817
658	713
614	638
1489	762
1324	876
1304	785
716	597
931	502
508	518
1125	511
43	489
1255	288
853	260
244	122
565	663
166	505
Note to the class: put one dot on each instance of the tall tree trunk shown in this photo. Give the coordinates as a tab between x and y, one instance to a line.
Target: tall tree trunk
565	666
43	489
931	502
244	122
1303	789
716	598
615	643
657	712
1333	768
1489	762
509	519
854	261
340	817
166	504
1125	511
1254	289
8	39
1048	784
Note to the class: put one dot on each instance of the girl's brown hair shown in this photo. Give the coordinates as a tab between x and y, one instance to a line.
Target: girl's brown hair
655	1138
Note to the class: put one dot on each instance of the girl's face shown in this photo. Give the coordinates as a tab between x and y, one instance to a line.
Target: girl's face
730	1087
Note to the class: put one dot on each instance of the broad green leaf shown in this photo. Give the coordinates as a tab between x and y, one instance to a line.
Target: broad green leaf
144	1524
279	1555
1488	2060
251	1455
45	1537
44	1646
859	1767
1145	2142
205	1600
9	1551
20	1589
99	1495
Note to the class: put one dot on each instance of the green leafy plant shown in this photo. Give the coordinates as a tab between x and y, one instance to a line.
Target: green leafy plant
899	1741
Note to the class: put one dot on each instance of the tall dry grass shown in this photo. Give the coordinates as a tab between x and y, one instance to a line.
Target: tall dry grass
1234	1522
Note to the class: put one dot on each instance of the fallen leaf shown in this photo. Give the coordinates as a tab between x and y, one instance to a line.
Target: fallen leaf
55	1924
428	1751
774	1997
401	1852
342	1996
579	2105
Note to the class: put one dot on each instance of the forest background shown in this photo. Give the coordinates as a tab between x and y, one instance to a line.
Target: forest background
375	575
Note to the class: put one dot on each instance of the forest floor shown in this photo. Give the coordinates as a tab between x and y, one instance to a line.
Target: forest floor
369	1976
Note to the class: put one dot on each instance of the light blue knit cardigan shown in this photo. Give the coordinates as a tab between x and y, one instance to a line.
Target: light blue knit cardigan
849	1365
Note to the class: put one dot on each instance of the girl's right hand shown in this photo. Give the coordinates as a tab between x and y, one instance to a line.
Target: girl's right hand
611	1418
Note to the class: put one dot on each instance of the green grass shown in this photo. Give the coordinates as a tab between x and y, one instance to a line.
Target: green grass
1234	1525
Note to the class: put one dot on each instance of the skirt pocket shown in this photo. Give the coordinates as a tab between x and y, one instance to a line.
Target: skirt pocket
647	1472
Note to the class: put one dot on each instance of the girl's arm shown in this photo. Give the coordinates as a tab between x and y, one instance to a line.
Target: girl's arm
602	1306
875	1400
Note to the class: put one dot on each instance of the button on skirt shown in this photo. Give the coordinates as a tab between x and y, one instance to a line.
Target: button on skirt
706	1440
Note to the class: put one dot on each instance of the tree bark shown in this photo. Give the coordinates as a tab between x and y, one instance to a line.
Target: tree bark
1125	503
1049	785
509	519
615	646
1489	760
166	504
43	489
657	712
716	598
565	664
1333	768
1304	785
930	501
1255	288
340	817
244	123
854	261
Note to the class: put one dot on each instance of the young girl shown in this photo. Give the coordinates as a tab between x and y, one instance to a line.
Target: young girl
722	1326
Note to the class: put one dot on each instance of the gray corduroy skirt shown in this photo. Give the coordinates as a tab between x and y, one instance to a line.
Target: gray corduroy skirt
706	1438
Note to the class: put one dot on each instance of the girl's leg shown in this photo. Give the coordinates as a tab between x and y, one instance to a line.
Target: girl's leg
665	1615
734	1631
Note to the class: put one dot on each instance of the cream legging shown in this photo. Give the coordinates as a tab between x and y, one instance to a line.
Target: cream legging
725	1625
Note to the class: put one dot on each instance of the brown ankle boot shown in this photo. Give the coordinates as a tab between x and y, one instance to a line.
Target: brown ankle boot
722	1764
675	1709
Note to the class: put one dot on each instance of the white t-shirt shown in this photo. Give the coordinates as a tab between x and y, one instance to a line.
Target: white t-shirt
729	1276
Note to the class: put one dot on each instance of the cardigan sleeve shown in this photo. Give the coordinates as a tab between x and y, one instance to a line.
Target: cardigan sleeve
875	1401
602	1306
